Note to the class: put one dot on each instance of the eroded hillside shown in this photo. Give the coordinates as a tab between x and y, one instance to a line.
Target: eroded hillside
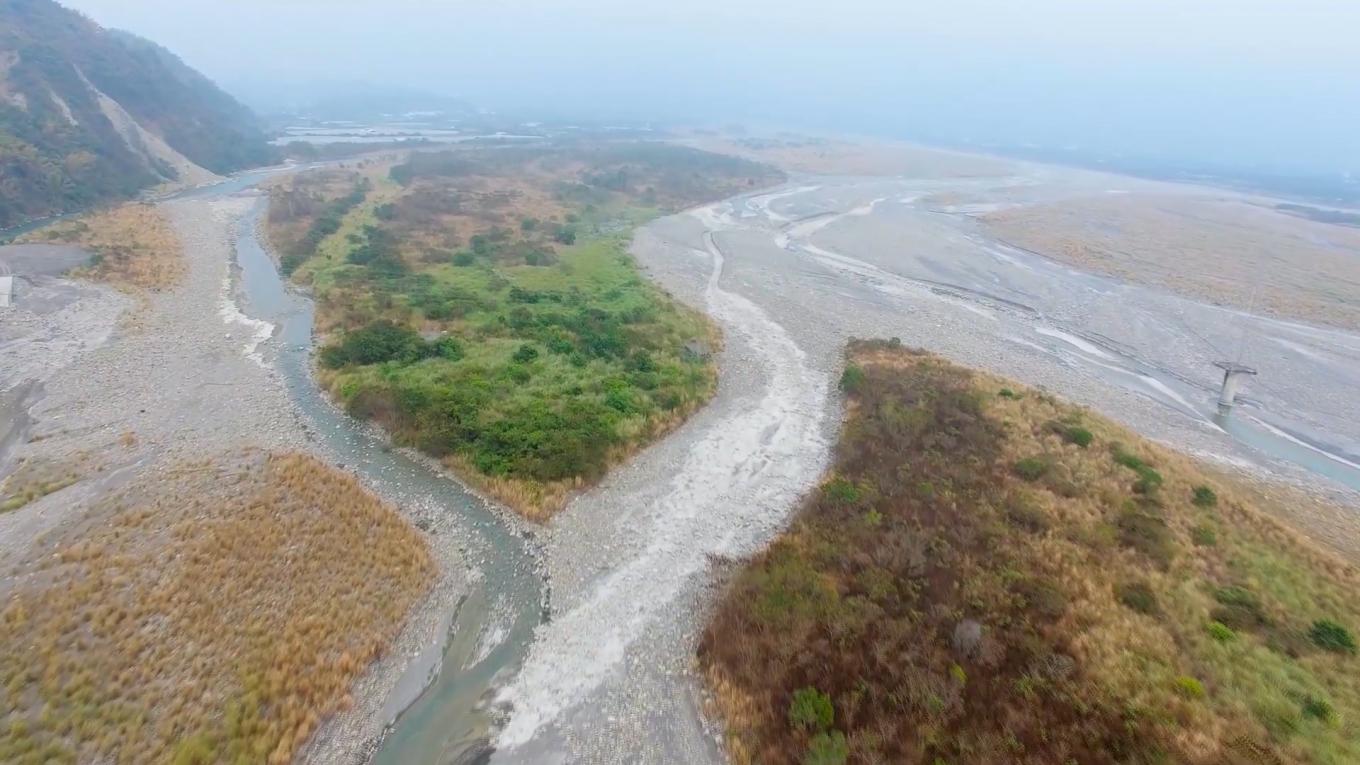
89	114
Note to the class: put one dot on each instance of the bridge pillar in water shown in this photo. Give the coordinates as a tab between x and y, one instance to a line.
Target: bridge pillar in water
1233	373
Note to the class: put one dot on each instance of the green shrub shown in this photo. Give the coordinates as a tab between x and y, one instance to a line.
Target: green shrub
1138	596
841	491
524	354
375	343
1318	709
1078	435
1008	393
811	709
290	262
448	348
1239	608
852	378
1204	497
1331	636
1204	536
1221	632
1032	468
1149	480
464	259
1189	687
1145	531
827	749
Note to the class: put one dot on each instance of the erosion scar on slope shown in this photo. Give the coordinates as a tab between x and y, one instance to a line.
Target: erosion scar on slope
734	490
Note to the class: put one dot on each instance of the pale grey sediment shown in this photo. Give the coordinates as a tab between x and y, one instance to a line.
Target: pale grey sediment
825	260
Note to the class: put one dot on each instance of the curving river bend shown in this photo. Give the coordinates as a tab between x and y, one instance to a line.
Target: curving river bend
450	720
812	265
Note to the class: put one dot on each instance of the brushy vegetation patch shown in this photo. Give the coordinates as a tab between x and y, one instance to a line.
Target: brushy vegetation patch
217	614
943	599
483	307
34	479
306	208
133	245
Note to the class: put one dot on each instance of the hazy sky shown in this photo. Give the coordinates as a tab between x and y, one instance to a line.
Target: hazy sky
1275	83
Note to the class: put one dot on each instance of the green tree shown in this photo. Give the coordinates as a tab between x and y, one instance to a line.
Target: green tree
811	709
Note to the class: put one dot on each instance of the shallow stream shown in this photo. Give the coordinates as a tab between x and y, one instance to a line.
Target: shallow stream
448	720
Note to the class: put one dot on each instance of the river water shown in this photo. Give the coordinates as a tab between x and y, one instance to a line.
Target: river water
1003	298
449	720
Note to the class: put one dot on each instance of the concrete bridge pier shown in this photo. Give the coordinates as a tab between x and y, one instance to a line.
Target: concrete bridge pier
1233	372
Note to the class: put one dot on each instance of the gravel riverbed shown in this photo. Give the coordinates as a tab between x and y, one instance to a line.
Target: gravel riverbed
791	275
114	387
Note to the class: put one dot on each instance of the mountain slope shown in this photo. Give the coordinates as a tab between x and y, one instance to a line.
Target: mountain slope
89	114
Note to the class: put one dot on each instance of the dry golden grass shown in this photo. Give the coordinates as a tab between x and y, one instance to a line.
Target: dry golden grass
36	478
1222	250
135	248
217	612
1123	620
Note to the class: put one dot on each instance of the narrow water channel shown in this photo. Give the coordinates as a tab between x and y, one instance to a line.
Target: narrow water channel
449	722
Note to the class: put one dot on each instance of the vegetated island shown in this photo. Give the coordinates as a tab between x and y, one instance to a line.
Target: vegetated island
990	575
482	306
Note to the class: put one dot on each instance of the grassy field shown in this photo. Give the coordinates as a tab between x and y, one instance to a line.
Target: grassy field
483	307
134	246
990	575
216	612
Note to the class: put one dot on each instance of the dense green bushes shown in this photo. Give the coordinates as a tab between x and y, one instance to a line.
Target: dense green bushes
383	341
1332	636
566	357
811	710
1204	497
550	374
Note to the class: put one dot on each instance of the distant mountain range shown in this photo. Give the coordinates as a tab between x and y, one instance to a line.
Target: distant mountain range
89	115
